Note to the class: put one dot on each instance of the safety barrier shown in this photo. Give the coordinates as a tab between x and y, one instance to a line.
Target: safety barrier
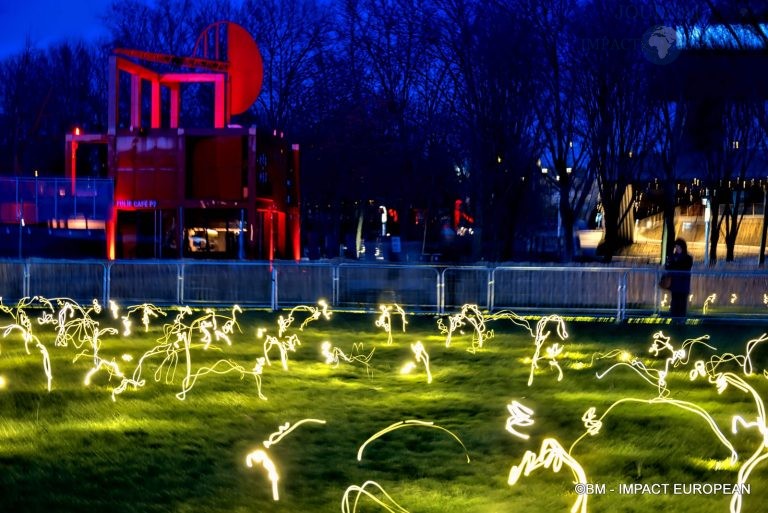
616	292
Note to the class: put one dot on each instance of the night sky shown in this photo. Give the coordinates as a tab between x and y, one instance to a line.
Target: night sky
48	21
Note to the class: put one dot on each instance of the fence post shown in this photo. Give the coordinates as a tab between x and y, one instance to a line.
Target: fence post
180	283
491	288
440	291
106	294
334	284
621	306
25	292
274	289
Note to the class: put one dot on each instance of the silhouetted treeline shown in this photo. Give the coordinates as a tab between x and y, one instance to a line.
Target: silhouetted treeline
534	111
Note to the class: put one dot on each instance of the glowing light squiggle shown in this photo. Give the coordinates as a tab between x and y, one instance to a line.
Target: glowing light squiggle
147	310
259	456
551	455
593	425
721	380
469	314
283	346
177	341
23	324
520	415
389	504
285	429
408	423
553	351
189	380
707	302
678	356
333	355
385	319
315	312
421	356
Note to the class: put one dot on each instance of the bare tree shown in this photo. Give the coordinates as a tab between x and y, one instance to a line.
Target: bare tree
43	95
614	97
486	49
24	98
557	106
290	35
728	164
165	26
671	109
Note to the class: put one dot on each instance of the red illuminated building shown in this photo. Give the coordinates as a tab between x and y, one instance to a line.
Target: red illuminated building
216	191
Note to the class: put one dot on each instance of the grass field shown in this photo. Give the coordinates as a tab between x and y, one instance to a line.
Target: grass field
74	448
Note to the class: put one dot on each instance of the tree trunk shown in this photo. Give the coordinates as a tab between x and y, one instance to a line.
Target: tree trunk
669	219
566	218
763	231
732	227
714	231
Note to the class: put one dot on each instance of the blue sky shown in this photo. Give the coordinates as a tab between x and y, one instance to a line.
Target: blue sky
47	21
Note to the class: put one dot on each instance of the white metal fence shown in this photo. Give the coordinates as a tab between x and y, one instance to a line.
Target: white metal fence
618	292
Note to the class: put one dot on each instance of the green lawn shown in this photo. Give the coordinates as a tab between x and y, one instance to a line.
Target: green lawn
75	449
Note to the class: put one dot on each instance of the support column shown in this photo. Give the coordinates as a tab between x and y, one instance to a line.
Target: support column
135	102
155	121
174	89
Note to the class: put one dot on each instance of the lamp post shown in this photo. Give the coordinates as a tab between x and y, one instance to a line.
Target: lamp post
707	225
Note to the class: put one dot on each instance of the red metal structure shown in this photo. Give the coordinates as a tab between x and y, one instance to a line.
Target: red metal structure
219	190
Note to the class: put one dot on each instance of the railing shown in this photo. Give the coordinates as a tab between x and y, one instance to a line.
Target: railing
614	292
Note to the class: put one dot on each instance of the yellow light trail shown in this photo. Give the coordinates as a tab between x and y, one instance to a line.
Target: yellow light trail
388	503
408	423
315	312
29	338
385	321
541	337
333	355
469	314
177	341
707	302
286	429
23	324
283	346
520	415
259	456
593	425
678	356
722	380
114	308
421	356
551	455
147	310
228	366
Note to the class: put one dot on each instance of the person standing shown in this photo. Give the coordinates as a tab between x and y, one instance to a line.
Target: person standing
679	265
